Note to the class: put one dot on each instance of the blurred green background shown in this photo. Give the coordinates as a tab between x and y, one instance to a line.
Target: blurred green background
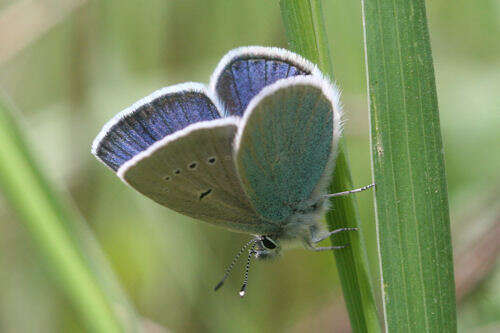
70	66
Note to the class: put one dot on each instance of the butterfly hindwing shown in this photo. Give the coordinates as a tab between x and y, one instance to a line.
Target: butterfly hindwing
245	71
286	144
193	173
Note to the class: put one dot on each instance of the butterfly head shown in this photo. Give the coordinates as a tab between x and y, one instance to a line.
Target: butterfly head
267	247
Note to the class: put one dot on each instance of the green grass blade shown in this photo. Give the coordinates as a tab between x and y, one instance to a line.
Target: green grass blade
407	154
306	34
49	221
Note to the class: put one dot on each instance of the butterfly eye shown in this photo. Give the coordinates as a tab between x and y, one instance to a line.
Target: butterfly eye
268	243
192	166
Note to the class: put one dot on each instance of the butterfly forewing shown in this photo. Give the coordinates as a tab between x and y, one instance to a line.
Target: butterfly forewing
285	144
244	72
162	113
193	173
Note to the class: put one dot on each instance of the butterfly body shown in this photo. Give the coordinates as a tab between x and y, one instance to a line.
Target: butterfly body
253	152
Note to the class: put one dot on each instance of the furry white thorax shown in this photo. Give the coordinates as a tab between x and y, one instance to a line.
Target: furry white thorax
298	225
298	230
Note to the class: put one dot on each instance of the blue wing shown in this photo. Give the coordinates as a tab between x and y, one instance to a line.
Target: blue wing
286	145
245	71
149	120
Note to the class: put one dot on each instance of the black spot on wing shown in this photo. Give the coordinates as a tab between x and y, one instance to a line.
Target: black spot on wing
204	194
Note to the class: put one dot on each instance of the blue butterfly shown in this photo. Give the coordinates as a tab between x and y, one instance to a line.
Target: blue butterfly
253	152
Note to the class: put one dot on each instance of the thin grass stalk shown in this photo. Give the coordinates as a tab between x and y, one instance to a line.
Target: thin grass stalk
83	275
305	30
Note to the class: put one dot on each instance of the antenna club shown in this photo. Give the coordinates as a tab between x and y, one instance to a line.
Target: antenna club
243	290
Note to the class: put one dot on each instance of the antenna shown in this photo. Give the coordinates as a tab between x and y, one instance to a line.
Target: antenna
243	289
230	267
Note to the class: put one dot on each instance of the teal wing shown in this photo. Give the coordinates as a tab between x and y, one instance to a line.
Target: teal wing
285	146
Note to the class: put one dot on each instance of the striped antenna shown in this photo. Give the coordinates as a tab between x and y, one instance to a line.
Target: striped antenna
227	273
243	289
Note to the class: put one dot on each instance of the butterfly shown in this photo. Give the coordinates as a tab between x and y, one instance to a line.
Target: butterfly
253	152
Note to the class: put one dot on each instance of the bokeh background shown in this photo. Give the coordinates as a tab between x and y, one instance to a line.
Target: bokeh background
69	66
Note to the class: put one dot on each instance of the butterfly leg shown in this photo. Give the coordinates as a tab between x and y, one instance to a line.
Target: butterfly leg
361	189
310	243
318	235
325	235
328	248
